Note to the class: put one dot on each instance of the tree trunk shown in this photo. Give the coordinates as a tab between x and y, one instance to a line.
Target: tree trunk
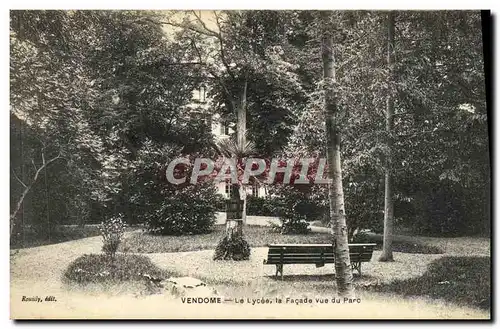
388	199
47	206
241	136
244	210
18	207
343	271
234	227
241	115
27	188
234	224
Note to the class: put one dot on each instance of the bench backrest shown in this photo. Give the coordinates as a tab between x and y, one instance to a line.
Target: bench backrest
315	253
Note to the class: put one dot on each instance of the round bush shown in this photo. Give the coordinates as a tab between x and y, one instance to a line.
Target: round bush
295	206
232	248
258	206
94	268
185	210
166	208
296	225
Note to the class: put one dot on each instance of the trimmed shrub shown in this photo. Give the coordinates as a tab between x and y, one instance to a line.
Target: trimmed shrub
295	208
294	225
362	237
232	248
165	208
220	203
258	206
185	210
94	268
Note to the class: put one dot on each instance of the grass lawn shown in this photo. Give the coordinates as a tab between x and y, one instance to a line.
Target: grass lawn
257	236
461	280
60	234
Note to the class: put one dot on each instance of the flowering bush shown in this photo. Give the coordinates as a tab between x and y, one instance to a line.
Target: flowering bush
112	232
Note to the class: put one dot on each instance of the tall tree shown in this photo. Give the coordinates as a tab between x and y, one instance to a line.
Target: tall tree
439	112
343	270
236	49
221	58
359	59
388	198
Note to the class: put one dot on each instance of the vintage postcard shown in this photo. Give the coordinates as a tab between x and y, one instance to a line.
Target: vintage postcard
257	164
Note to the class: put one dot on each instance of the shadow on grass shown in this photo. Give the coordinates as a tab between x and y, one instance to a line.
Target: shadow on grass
409	245
461	280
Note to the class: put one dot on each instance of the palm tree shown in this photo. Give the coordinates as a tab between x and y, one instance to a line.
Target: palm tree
230	148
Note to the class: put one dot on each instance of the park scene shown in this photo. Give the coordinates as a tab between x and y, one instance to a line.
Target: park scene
249	164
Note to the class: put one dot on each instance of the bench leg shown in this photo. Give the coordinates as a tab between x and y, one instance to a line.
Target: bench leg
279	269
357	266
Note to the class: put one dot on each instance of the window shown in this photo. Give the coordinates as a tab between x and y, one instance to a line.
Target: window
228	190
202	98
207	119
255	190
224	128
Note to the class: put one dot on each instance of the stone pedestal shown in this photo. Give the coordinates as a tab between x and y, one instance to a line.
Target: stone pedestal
234	226
234	221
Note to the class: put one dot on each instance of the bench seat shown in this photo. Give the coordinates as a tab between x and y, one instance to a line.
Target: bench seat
318	254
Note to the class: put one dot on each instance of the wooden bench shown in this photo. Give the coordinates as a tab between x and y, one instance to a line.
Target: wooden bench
318	254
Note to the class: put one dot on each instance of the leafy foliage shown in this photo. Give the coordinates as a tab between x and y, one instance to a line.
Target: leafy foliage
96	86
233	247
440	115
259	206
293	225
295	204
295	208
166	208
188	210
